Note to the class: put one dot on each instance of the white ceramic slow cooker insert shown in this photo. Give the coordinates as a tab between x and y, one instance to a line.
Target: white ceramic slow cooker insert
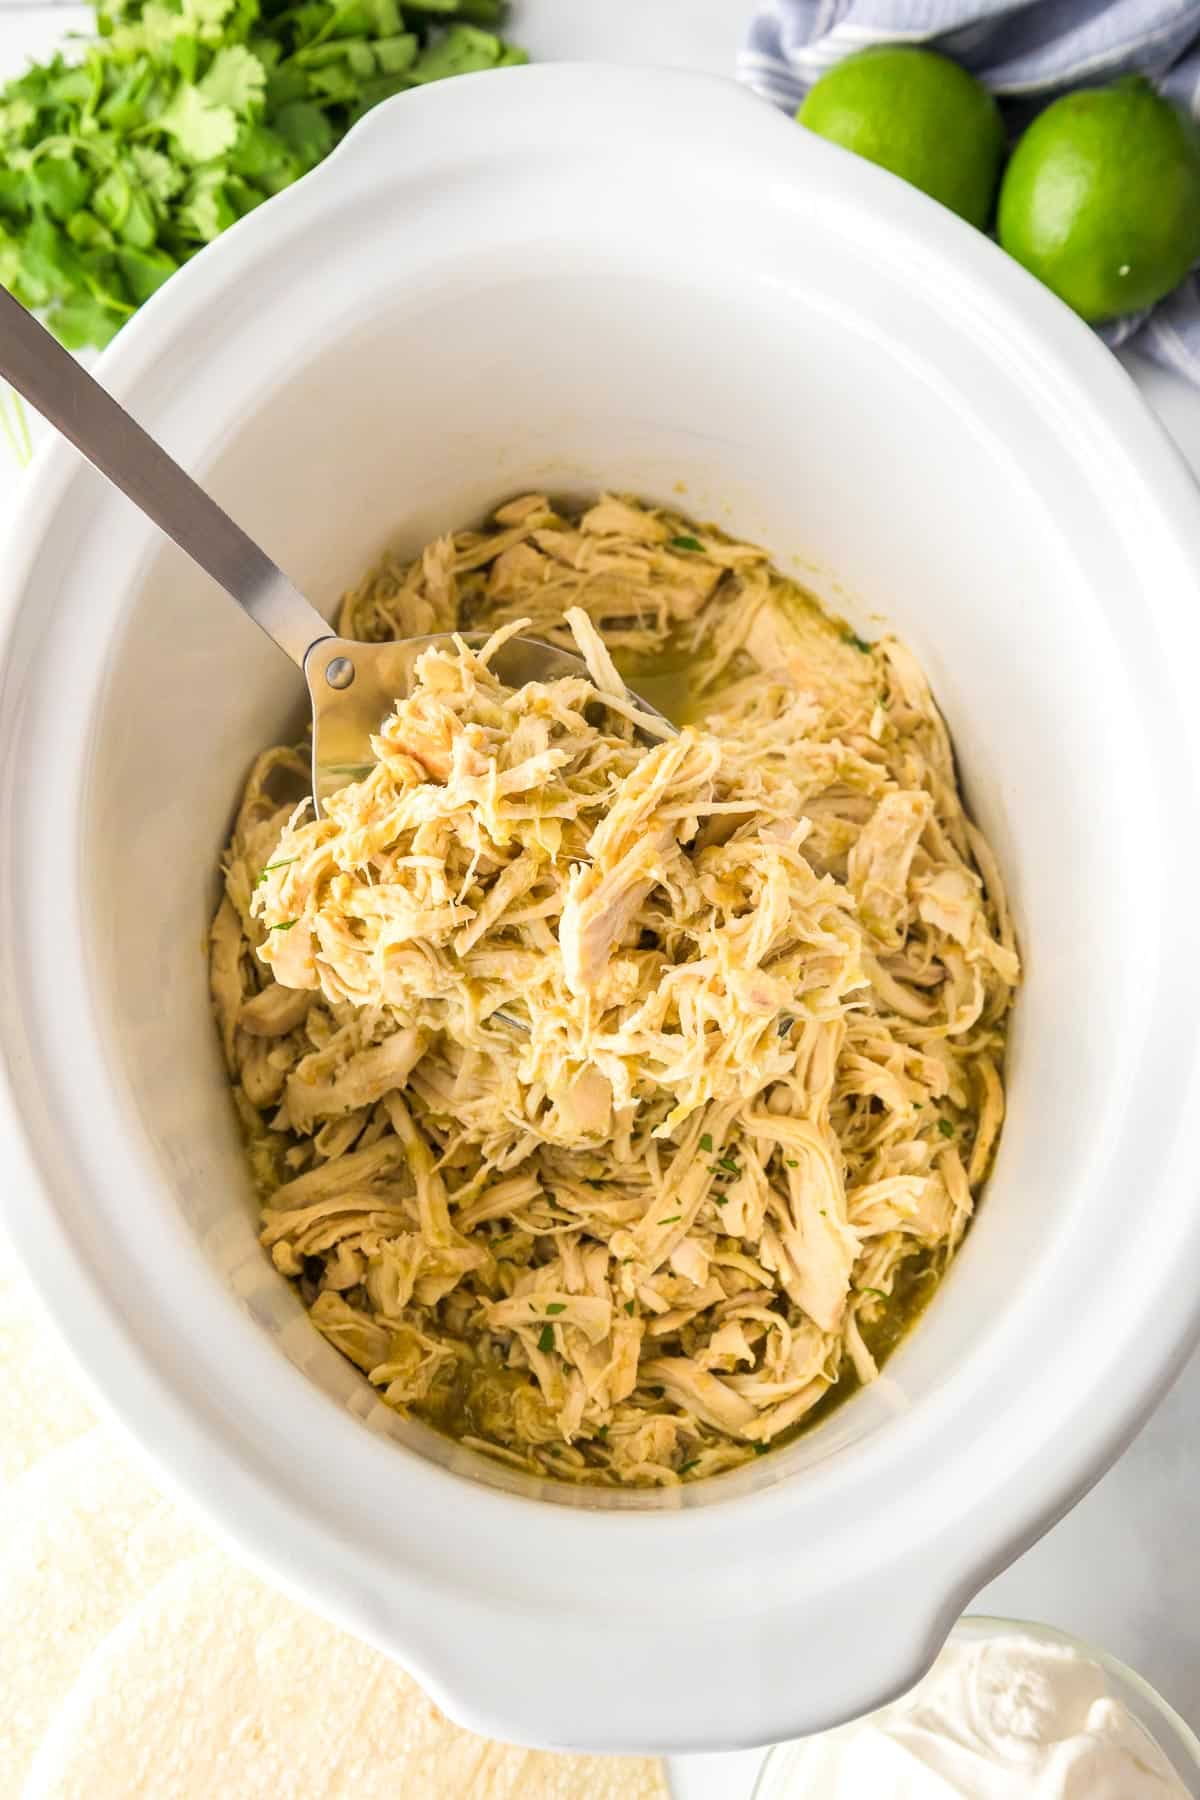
579	278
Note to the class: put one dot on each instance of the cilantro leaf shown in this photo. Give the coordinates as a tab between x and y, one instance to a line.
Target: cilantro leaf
84	321
60	184
235	79
200	129
207	210
156	172
461	50
144	271
306	131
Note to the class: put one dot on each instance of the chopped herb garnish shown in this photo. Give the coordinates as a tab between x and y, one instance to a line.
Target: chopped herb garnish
284	862
556	1306
629	1308
792	1162
706	1142
602	1432
686	543
852	637
283	925
720	1199
693	1462
761	1449
878	1292
169	122
546	1338
673	1220
727	1162
945	1127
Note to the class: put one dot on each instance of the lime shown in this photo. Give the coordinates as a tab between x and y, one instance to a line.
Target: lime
919	115
1101	199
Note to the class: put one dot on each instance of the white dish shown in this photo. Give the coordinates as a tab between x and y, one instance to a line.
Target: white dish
1128	1690
576	277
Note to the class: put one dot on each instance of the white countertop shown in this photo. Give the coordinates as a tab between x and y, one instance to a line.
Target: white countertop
1123	1569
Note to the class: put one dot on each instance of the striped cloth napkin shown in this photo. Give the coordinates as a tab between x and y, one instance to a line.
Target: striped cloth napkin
1026	51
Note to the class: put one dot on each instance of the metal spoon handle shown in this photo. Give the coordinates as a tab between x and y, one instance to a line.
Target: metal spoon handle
67	398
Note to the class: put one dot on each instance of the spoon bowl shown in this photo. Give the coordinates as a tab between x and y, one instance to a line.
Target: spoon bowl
353	686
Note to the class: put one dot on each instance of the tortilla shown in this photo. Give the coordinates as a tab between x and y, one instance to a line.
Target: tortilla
216	1685
83	1537
40	1405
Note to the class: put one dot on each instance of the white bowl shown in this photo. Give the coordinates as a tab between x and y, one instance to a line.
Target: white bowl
580	277
1174	1737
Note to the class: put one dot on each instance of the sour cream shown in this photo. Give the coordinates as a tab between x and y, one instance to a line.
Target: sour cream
1005	1718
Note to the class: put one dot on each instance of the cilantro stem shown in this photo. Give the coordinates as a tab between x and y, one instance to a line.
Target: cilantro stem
15	425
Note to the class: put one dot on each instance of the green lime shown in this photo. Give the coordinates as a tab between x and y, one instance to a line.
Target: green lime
919	115
1101	199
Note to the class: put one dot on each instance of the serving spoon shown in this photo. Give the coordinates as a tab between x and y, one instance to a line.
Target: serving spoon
352	686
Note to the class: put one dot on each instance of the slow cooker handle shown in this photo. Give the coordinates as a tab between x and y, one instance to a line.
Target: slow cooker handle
77	406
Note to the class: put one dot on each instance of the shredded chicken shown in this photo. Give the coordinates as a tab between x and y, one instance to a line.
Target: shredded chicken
617	1098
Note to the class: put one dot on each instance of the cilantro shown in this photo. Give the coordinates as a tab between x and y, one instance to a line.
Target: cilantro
629	1308
792	1162
673	1220
283	925
235	79
156	172
546	1338
686	543
720	1199
852	638
878	1292
729	1164
602	1433
201	128
946	1128
685	1468
461	50
15	425
706	1142
761	1449
178	118
556	1306
144	271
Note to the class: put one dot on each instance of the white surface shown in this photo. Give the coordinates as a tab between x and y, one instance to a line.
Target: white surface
1122	1569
